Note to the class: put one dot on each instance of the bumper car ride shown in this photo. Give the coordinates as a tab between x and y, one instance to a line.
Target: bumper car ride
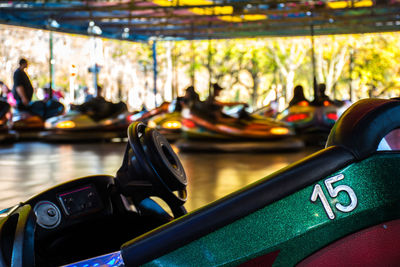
6	135
76	126
168	124
337	207
144	116
252	134
26	126
312	123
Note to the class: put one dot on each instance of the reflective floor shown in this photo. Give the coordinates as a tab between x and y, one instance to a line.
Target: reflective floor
31	167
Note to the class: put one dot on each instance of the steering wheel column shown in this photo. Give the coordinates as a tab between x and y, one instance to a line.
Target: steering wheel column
151	168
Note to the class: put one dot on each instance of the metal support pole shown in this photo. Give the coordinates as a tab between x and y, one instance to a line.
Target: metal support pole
350	73
175	72
315	87
96	79
51	65
192	73
154	46
94	69
209	59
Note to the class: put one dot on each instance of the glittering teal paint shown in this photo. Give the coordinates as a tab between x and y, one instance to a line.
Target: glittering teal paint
297	227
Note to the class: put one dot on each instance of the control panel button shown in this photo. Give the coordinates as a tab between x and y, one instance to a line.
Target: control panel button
47	214
51	212
81	200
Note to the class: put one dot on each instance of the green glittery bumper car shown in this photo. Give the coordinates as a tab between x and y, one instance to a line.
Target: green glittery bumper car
337	207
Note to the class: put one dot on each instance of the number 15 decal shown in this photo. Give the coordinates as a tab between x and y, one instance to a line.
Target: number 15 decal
333	192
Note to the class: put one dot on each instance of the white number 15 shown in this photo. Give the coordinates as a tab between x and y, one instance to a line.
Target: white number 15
333	192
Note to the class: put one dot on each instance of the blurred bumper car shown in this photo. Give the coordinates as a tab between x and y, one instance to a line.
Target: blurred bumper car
145	115
246	133
28	124
169	123
6	135
78	126
312	123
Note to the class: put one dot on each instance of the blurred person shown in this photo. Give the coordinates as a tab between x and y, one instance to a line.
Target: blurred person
4	105
272	109
6	94
23	93
88	95
50	106
298	96
215	106
22	89
191	97
55	94
98	107
212	99
58	94
321	97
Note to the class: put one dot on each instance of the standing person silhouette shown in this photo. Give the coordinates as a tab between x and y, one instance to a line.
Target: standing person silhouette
23	92
22	89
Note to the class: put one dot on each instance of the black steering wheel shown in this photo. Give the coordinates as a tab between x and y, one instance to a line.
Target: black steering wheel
151	168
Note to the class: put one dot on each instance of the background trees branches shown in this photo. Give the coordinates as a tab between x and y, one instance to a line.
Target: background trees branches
252	70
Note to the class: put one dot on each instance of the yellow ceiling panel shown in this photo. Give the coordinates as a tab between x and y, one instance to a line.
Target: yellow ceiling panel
224	11
346	4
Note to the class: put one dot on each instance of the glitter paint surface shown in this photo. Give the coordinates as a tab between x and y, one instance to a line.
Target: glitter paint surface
297	227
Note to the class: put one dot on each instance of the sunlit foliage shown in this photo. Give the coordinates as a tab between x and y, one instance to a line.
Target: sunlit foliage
255	71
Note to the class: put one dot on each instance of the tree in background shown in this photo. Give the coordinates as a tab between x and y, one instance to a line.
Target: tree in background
331	57
225	66
377	66
252	70
257	64
289	54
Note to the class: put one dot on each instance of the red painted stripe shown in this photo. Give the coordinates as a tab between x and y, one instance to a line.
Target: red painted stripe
375	246
262	261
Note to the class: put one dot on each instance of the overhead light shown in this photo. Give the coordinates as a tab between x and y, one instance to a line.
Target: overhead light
52	24
125	34
93	29
97	30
